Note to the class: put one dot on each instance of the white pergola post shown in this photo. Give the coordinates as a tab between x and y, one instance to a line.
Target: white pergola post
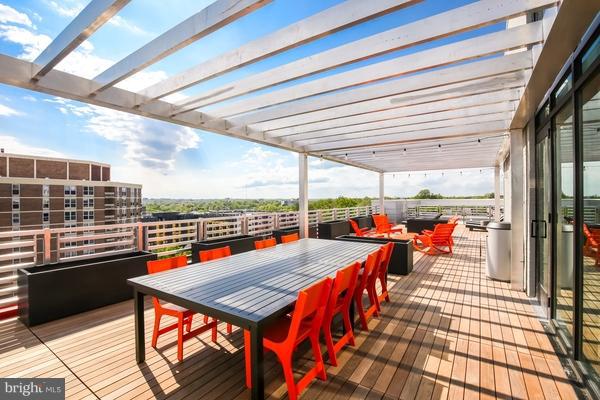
303	195
517	177
497	203
381	194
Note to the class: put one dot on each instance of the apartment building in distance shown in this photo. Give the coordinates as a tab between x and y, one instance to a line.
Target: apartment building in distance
44	192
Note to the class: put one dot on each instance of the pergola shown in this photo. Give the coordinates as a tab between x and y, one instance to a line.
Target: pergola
459	98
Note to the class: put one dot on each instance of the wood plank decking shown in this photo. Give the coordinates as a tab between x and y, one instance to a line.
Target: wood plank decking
449	332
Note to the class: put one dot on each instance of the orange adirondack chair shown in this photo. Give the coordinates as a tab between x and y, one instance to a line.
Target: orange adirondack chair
432	242
358	231
592	243
383	225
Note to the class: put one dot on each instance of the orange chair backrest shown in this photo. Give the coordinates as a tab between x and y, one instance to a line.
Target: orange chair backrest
263	244
370	269
310	305
345	280
166	264
380	220
292	237
215	254
386	256
591	240
355	228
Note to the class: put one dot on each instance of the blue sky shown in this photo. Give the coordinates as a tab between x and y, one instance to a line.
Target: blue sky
170	160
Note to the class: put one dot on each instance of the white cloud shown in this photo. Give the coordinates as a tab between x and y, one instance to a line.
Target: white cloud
127	25
151	144
6	111
12	16
11	144
66	8
32	43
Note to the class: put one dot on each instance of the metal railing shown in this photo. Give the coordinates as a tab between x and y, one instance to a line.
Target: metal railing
21	249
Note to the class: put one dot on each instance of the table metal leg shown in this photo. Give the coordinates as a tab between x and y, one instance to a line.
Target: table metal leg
258	368
140	345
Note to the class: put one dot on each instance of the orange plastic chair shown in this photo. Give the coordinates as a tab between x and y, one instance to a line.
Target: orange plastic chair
358	231
366	281
592	240
290	238
285	335
454	219
386	256
383	225
340	300
184	316
432	242
266	243
215	254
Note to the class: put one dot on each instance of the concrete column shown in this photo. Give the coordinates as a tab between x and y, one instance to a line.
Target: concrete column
517	204
303	195
497	202
381	194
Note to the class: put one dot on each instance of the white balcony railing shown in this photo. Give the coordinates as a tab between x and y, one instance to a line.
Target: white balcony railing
21	249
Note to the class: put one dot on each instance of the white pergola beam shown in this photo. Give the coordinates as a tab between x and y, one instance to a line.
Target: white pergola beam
457	20
408	137
468	49
324	119
419	127
303	195
210	19
462	106
92	17
315	109
348	13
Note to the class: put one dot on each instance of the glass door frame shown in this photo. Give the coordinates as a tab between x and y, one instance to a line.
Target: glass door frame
545	235
545	115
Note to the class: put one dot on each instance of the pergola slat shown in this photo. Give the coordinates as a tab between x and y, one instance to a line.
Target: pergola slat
479	103
298	111
457	20
407	137
468	49
422	127
92	17
328	118
348	13
211	18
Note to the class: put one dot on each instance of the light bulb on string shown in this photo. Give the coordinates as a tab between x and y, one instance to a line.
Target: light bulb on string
373	155
439	148
346	156
404	152
479	142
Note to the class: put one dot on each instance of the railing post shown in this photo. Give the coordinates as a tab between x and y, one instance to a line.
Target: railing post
199	230
140	236
244	223
47	246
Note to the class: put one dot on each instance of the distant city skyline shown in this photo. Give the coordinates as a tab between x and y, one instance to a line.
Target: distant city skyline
172	161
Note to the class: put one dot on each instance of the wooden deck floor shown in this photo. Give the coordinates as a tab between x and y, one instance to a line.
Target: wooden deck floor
448	333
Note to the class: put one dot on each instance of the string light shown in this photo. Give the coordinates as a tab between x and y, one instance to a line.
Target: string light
373	155
346	156
404	152
479	142
439	148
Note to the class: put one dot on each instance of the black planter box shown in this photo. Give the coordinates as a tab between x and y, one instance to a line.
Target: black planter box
364	222
278	233
50	292
417	225
237	244
401	262
333	229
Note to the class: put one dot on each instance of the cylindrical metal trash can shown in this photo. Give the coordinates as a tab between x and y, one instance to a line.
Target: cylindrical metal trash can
565	258
498	250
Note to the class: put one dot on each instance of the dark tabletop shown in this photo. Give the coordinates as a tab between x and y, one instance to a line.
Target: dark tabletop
255	285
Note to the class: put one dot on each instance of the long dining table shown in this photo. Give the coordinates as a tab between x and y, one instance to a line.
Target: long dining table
249	290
